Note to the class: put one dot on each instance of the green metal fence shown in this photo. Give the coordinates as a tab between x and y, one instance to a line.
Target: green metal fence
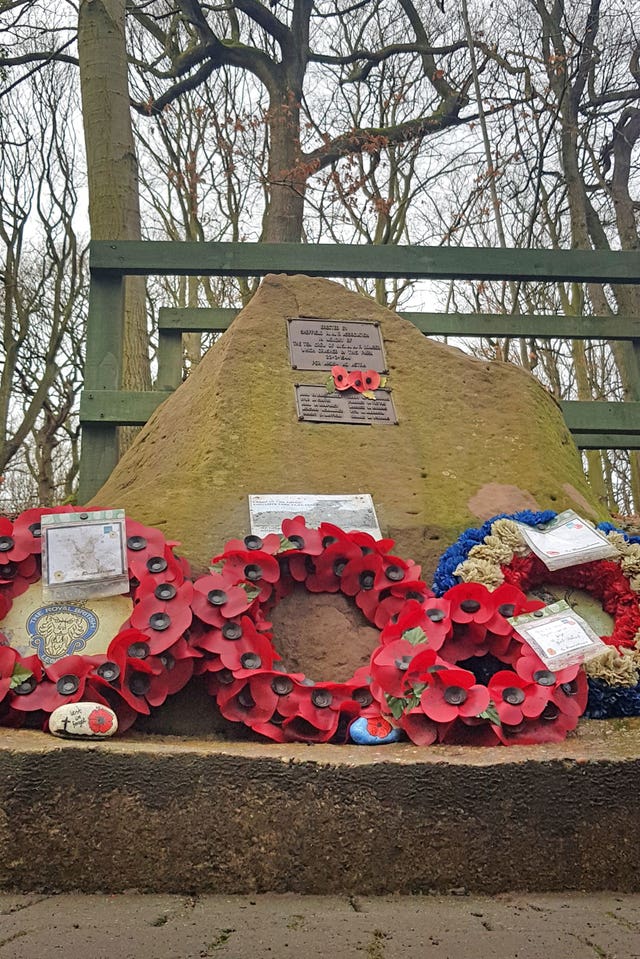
104	406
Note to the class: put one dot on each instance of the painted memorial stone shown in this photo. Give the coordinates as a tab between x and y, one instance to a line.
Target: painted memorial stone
373	732
55	630
83	721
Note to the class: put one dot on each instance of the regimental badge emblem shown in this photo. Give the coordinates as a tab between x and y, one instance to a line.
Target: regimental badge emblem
58	630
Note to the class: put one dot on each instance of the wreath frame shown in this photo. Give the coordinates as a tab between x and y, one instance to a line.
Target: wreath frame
148	658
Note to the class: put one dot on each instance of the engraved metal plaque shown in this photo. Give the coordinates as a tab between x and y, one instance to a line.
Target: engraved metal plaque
315	405
316	344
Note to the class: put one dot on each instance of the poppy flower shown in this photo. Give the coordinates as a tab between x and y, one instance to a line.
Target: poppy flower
216	598
432	619
340	377
531	668
419	728
177	670
509	601
240	645
144	543
356	381
64	682
389	665
267	544
8	660
301	729
571	697
468	732
471	603
163	615
517	699
330	565
466	640
19	576
371	380
368	544
551	726
452	693
16	544
304	539
359	575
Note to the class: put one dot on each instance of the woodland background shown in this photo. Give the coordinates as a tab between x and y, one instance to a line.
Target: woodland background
461	122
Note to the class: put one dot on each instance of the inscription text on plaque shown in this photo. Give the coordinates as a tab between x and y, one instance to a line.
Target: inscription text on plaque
316	344
316	405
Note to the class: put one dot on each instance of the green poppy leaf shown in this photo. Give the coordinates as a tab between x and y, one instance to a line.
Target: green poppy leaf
415	636
491	713
19	675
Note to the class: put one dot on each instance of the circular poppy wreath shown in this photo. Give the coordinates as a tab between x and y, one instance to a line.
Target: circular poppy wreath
496	553
147	660
243	669
448	670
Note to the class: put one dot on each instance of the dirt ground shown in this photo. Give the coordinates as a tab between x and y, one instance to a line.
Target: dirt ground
458	926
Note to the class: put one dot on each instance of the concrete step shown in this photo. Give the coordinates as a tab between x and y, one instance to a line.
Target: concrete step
167	814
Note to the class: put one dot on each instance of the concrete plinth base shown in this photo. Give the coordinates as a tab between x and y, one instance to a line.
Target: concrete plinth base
165	814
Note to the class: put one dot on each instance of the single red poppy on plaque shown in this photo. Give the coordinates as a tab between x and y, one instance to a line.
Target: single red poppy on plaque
356	381
371	380
340	377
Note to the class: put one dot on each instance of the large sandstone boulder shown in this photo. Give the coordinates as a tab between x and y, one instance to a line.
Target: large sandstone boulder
474	437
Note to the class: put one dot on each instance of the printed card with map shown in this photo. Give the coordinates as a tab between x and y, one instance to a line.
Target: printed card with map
84	554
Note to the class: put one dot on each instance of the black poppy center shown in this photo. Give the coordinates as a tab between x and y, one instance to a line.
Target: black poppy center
363	697
68	685
36	530
157	564
225	677
469	605
245	699
168	660
570	689
402	663
253	572
27	686
165	592
136	543
435	615
550	712
8	570
366	579
394	573
253	542
250	661
139	650
282	685
321	698
544	677
328	540
513	695
108	671
506	610
6	543
297	541
338	567
159	621
232	630
217	597
455	695
139	684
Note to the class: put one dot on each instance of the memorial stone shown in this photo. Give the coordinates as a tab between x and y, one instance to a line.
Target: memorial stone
474	438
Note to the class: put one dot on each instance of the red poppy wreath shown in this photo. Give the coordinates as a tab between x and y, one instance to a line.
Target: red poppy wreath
146	660
244	671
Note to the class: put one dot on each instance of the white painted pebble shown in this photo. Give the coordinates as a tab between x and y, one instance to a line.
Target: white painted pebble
83	720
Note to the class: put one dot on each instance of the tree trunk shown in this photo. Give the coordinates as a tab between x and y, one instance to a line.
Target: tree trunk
112	169
283	218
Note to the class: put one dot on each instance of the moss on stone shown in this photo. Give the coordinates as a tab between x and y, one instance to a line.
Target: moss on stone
474	437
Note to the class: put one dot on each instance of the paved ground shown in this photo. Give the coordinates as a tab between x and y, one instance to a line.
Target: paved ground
131	926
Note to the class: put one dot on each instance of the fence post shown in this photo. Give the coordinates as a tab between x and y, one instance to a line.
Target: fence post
103	370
